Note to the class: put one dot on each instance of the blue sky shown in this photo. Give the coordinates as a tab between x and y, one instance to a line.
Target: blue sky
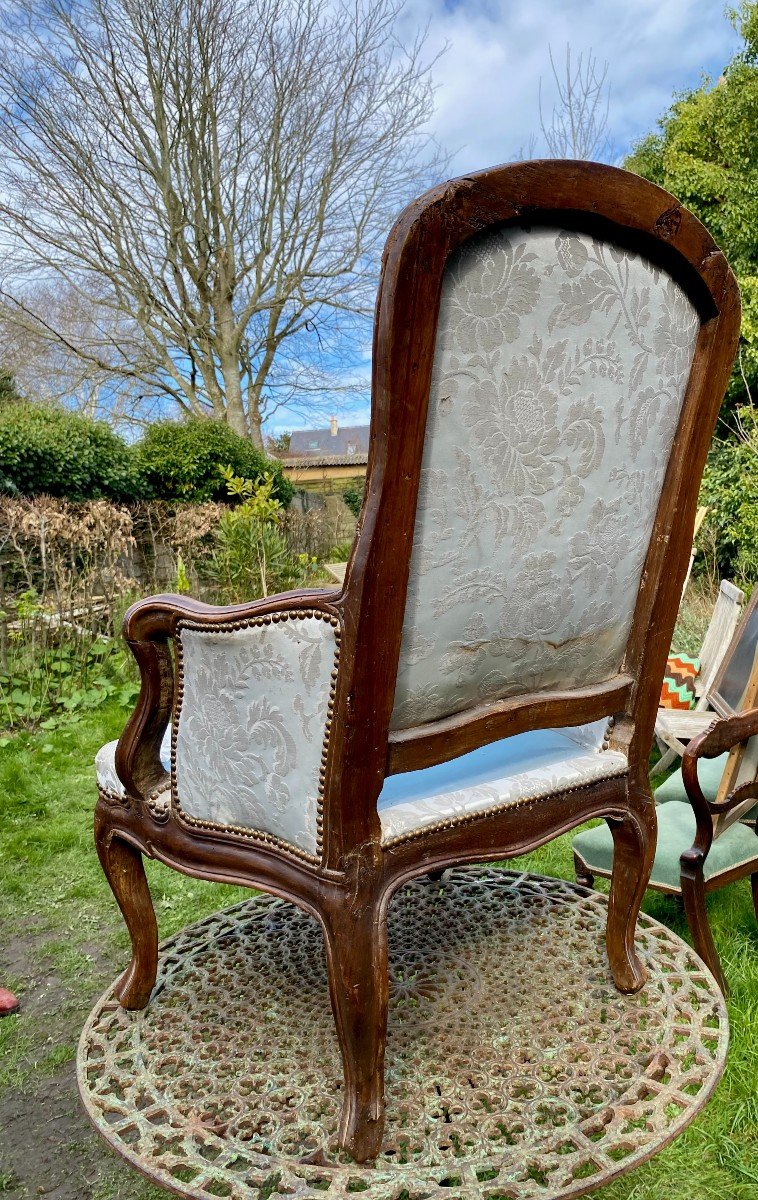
487	98
488	78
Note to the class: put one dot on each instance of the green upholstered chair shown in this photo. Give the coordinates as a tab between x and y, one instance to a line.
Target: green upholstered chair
694	855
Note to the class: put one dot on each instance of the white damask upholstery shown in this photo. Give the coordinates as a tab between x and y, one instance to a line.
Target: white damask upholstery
105	768
525	767
252	726
528	765
560	368
253	722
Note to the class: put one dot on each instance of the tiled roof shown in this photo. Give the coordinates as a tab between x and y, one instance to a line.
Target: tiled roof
325	460
350	440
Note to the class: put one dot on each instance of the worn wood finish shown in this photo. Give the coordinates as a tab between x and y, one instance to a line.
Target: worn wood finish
718	637
356	952
721	735
122	863
349	889
633	854
439	741
675	726
693	898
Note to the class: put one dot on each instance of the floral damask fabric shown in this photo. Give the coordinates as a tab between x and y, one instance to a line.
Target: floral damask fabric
525	767
252	725
105	766
560	368
533	764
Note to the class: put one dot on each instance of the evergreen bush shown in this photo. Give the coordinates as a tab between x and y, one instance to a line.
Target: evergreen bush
59	453
183	461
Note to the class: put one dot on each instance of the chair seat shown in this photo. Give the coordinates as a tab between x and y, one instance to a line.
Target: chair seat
709	772
526	766
523	767
682	724
737	846
109	782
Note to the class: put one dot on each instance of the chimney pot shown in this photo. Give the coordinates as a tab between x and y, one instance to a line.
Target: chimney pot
333	426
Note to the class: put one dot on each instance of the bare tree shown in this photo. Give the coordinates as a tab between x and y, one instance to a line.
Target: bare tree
38	337
217	175
578	123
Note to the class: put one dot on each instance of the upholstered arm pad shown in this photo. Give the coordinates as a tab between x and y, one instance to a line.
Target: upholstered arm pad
150	624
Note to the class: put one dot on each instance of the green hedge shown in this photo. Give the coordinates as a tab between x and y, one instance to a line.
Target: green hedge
63	454
60	453
730	489
181	461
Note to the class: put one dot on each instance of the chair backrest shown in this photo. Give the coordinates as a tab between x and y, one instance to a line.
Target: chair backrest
700	516
560	366
551	347
723	622
742	763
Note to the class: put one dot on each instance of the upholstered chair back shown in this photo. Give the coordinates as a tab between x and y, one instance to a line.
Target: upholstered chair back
560	367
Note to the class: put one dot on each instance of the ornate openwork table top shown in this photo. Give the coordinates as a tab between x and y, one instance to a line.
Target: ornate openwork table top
514	1067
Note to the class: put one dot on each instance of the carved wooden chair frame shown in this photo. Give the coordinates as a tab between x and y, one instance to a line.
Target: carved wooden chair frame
349	887
726	733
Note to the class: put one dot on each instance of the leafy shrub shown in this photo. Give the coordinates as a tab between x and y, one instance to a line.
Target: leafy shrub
60	453
183	461
353	497
9	393
730	489
49	676
252	558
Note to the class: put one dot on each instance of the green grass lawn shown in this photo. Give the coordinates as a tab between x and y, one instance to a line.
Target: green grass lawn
62	941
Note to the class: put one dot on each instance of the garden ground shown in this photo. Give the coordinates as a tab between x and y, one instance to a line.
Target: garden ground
62	941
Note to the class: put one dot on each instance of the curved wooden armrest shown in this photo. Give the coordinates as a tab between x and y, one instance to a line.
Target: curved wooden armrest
722	735
148	626
156	617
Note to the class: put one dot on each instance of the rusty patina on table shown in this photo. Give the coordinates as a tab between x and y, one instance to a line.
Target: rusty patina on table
514	1067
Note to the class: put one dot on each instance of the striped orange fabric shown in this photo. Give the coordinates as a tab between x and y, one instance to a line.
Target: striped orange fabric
678	689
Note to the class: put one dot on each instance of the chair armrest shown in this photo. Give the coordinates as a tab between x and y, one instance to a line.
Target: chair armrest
148	627
156	617
723	734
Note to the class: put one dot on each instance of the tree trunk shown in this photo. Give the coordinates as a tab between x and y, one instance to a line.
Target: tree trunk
255	422
236	417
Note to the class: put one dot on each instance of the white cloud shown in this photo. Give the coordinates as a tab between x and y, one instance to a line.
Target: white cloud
487	81
487	97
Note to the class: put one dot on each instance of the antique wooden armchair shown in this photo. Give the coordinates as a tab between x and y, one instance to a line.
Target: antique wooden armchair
552	343
706	811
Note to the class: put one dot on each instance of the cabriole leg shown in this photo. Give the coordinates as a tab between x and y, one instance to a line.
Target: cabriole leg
633	853
125	872
583	874
356	944
693	895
